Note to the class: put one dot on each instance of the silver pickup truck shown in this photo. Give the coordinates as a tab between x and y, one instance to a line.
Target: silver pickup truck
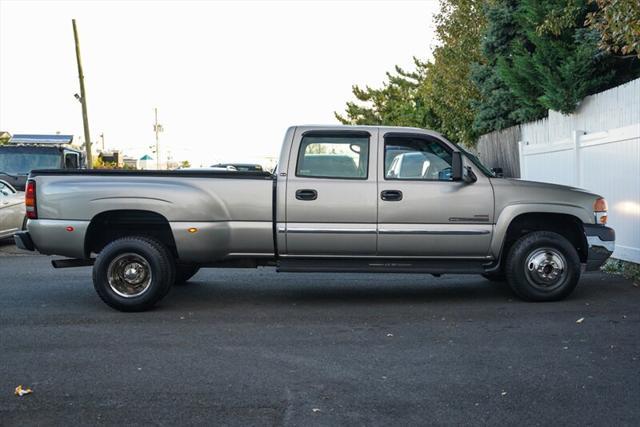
342	199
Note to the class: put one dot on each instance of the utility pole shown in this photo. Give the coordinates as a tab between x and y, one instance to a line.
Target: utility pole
83	99
157	129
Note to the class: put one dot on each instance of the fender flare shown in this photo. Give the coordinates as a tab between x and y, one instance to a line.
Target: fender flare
511	212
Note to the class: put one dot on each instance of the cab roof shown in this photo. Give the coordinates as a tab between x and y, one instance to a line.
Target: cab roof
41	139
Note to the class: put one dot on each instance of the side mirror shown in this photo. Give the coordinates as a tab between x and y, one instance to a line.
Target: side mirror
468	176
498	172
456	166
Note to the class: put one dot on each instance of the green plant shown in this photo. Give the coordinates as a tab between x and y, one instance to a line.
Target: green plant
618	23
629	270
439	94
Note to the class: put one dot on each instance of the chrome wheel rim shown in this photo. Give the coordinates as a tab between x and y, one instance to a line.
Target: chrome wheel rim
129	275
546	268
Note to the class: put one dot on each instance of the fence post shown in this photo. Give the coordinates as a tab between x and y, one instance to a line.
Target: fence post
575	137
521	160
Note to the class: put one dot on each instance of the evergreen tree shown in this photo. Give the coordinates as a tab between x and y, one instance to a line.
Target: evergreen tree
496	108
539	56
438	95
398	103
504	62
448	87
555	69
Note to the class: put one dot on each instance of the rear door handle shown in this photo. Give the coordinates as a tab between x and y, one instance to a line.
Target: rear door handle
391	195
306	194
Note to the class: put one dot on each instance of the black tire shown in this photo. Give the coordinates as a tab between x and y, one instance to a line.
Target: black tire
495	277
542	266
184	273
143	257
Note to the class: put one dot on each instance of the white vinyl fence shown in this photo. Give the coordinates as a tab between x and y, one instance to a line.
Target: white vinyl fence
598	149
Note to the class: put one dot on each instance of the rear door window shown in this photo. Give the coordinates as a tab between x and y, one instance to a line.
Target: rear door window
345	157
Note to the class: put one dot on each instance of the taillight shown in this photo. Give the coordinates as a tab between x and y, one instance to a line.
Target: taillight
600	211
30	200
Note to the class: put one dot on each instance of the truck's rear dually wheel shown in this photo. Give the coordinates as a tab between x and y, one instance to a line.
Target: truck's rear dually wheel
133	273
542	266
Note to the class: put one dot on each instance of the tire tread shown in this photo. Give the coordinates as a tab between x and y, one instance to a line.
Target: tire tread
166	265
516	277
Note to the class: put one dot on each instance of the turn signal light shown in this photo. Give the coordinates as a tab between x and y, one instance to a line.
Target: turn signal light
600	211
30	200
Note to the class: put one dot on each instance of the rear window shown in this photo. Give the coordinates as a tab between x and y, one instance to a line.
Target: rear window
21	160
338	156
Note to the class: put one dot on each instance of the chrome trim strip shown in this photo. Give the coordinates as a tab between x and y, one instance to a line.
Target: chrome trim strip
329	230
309	230
434	232
475	218
252	254
487	258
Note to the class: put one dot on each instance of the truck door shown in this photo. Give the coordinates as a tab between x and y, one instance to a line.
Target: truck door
421	211
331	195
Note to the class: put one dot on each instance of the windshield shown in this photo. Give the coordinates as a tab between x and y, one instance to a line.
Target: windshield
21	163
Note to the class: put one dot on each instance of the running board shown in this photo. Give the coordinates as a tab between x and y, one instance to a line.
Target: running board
72	262
363	265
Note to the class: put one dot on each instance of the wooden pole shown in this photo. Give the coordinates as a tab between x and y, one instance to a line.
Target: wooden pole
157	129
83	100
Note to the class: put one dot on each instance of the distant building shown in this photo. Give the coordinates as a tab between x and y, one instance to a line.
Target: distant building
114	157
130	162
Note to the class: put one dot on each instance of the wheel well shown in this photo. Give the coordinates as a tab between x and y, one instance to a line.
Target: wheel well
111	225
566	225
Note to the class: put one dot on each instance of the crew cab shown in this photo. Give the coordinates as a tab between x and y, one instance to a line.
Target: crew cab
342	199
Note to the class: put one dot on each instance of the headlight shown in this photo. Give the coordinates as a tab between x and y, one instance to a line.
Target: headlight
600	211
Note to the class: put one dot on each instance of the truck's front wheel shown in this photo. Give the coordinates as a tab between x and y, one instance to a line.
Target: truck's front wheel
133	273
542	266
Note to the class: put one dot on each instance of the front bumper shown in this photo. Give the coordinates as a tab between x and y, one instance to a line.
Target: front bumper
601	241
23	241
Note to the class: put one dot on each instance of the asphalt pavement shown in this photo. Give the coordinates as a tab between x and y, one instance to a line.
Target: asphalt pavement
253	347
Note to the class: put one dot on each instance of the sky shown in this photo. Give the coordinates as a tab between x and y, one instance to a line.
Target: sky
227	78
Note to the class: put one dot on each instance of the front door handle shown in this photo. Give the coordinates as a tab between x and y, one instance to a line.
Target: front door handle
391	195
306	194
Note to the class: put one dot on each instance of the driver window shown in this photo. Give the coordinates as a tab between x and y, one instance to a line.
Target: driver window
71	161
422	159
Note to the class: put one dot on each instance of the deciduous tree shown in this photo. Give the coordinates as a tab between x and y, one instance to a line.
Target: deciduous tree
618	23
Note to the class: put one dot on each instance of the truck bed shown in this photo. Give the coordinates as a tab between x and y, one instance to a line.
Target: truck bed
231	212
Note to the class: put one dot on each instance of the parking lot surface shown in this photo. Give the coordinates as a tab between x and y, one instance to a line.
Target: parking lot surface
253	347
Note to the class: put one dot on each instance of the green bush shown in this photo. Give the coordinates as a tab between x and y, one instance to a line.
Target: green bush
629	270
